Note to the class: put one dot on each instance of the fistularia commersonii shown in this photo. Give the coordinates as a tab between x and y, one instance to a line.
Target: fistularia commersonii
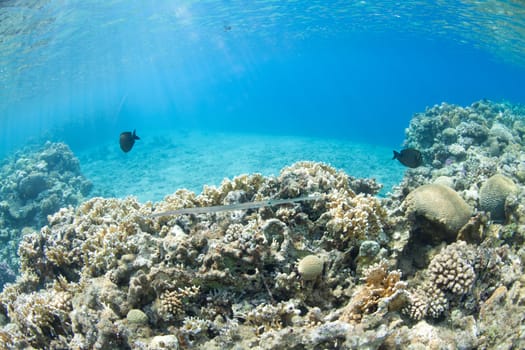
238	206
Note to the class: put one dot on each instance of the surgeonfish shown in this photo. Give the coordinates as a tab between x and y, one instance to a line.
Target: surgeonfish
127	140
409	157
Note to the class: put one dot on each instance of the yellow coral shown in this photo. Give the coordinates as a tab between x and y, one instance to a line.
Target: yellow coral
6	340
380	284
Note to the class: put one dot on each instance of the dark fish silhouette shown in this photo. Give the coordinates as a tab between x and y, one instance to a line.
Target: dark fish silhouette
409	157
127	140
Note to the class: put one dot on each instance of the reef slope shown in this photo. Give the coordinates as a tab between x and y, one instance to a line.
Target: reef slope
345	271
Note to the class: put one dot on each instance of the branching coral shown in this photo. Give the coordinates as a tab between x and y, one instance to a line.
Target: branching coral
40	315
450	275
265	317
353	218
450	272
172	302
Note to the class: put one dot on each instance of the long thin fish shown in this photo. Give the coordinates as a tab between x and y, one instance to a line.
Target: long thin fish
240	206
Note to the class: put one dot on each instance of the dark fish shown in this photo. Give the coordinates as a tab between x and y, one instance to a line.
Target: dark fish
409	157
127	140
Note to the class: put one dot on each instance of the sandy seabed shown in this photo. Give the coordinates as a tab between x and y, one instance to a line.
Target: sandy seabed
161	163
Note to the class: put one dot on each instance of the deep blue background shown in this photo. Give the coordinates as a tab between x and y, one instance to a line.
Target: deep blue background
361	86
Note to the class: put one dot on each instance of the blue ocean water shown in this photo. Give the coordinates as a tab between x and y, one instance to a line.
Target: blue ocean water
354	71
216	89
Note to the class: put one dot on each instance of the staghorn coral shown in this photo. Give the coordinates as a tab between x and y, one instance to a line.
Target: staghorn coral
6	274
40	315
265	317
135	262
194	329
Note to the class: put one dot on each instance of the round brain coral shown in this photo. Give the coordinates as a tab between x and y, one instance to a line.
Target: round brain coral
310	267
438	211
493	193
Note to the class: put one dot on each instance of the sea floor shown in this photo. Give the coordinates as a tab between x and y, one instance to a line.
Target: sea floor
161	163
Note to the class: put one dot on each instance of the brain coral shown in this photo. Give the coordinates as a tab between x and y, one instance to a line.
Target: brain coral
310	267
493	193
438	211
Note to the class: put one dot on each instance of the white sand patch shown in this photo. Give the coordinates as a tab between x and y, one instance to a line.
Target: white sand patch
161	162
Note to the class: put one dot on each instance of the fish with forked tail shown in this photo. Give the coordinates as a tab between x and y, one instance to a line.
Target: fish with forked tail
127	140
409	157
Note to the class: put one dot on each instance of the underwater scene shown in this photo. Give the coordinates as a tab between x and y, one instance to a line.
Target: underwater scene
262	174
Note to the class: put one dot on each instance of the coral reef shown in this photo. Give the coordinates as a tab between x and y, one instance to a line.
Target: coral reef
197	276
382	288
35	183
437	211
467	144
425	267
449	274
6	274
310	267
493	194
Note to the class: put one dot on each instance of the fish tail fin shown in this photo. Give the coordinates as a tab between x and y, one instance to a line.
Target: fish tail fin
396	154
135	137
